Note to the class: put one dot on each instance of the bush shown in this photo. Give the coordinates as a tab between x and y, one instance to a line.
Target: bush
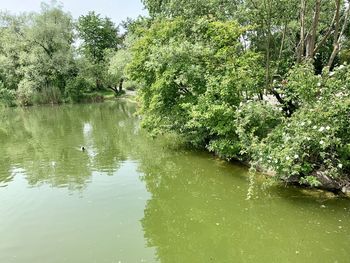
25	92
311	147
254	122
131	85
92	97
7	97
50	95
76	88
313	139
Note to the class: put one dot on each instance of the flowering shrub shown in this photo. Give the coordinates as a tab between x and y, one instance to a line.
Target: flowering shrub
314	140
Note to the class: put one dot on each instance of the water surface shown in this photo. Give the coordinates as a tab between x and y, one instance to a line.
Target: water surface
129	198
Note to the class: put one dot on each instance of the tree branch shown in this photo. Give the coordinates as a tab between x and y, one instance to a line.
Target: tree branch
338	36
328	33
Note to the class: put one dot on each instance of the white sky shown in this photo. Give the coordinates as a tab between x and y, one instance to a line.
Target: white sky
117	10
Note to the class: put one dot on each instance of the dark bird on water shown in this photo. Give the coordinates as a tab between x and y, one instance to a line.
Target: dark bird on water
83	148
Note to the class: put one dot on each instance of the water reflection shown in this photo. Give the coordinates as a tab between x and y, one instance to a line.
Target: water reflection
198	213
195	211
45	142
192	216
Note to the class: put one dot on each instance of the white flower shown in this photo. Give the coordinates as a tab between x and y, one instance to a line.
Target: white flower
328	128
296	156
315	127
302	124
319	84
331	73
287	158
321	129
276	161
321	142
340	165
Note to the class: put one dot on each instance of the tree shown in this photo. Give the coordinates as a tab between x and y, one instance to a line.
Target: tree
118	63
97	34
221	9
40	58
194	76
11	46
117	66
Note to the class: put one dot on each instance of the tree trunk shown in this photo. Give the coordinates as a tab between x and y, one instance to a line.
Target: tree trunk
329	31
302	31
311	40
268	46
337	35
121	85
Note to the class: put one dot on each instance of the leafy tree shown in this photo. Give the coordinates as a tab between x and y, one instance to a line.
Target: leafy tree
11	47
222	9
116	70
38	54
241	88
97	34
194	76
50	57
118	63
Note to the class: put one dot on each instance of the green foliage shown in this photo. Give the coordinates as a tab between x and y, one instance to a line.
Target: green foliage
314	139
174	8
132	85
199	81
50	56
98	34
194	76
25	92
254	122
99	40
49	95
36	53
76	88
7	97
302	85
118	63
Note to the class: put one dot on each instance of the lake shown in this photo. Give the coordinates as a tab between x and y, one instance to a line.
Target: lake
131	198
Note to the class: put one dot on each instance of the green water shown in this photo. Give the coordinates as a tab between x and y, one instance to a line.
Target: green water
129	198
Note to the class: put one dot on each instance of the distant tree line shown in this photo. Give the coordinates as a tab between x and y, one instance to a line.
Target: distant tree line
47	57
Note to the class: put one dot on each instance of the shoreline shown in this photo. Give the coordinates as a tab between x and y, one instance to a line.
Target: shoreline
337	186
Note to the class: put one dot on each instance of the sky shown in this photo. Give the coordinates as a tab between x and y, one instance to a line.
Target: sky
117	10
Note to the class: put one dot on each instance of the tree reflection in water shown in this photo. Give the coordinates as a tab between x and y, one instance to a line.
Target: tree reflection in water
44	142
